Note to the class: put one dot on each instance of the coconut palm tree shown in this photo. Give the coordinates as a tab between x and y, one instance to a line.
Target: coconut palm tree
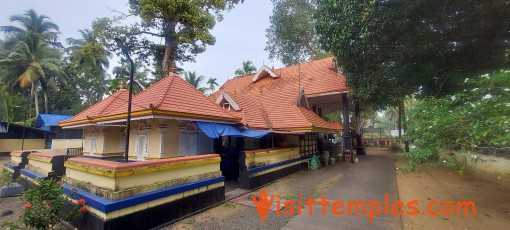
194	80
247	68
6	109
32	22
89	59
140	77
391	113
212	83
88	51
32	63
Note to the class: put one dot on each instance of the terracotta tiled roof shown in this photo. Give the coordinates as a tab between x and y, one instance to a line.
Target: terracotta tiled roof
253	114
316	77
271	102
101	107
173	94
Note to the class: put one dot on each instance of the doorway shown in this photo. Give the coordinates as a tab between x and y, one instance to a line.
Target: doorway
142	147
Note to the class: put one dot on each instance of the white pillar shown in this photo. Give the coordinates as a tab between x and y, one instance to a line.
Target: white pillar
105	132
162	131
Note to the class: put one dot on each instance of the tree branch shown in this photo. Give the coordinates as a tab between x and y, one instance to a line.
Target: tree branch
147	32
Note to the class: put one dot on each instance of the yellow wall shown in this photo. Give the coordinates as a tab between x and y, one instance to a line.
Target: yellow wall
120	183
107	140
8	145
40	165
152	130
66	143
154	139
171	138
271	157
112	140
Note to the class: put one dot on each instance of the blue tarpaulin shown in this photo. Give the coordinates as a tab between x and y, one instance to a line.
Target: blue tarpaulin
254	133
214	130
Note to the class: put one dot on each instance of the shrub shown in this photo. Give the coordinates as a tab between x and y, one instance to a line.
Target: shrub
478	116
43	206
5	178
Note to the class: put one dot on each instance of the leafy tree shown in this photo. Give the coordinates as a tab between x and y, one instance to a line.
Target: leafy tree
405	47
246	69
183	25
6	109
68	99
89	60
33	27
45	207
194	80
475	117
212	83
120	73
292	37
32	62
411	46
32	22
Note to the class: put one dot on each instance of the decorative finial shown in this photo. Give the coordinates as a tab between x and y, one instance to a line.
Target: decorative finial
123	84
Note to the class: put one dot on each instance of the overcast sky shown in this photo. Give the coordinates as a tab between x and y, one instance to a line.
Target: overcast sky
240	36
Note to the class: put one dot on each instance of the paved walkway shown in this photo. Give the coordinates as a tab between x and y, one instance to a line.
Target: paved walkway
370	179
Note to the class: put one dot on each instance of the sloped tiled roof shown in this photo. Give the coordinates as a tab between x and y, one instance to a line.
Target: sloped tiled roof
317	77
173	94
271	102
101	107
44	121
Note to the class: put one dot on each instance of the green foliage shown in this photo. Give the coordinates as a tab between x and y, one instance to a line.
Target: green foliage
183	25
246	69
122	72
44	205
32	22
193	79
476	117
6	108
212	83
335	116
89	61
292	37
403	47
31	62
5	178
27	58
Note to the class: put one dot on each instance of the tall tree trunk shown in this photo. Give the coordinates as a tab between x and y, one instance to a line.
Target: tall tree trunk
45	94
359	129
169	57
404	122
36	98
347	131
399	121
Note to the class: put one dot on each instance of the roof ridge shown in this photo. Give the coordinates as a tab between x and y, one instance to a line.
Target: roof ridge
302	115
90	108
265	116
163	95
117	94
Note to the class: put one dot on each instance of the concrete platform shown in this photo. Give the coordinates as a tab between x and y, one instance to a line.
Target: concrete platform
370	179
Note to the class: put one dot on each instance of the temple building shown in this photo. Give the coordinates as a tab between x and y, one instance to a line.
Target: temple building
188	151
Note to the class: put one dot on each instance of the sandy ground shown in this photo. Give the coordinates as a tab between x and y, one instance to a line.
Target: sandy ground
9	203
442	184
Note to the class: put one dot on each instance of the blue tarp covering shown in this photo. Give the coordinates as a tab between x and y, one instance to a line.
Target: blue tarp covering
254	133
213	130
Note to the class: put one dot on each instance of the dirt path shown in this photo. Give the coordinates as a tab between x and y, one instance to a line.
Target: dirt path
442	184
